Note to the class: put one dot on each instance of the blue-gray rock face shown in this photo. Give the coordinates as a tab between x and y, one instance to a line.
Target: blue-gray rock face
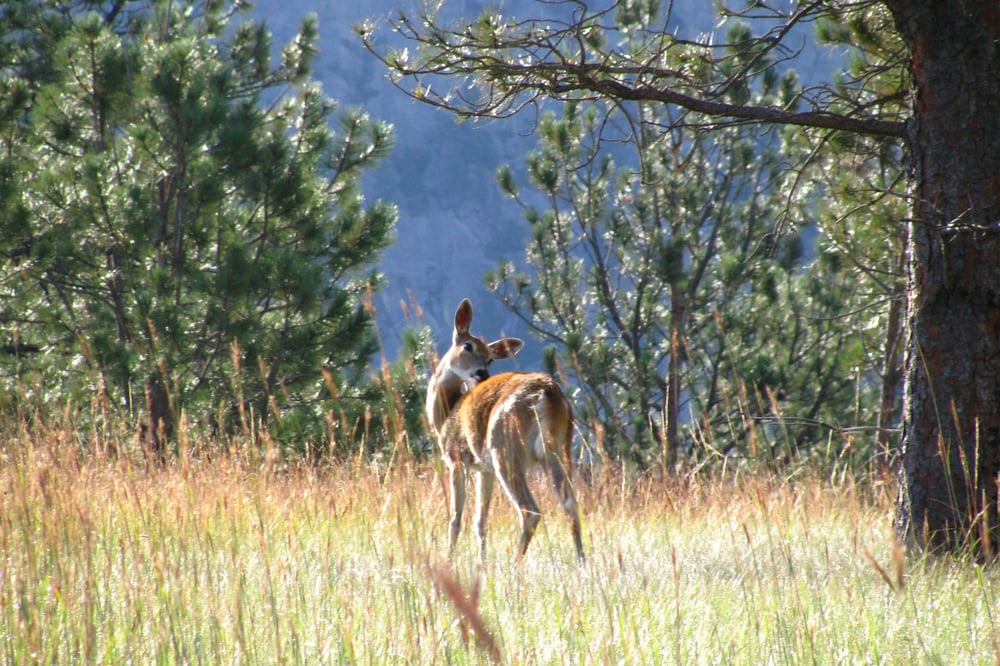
454	224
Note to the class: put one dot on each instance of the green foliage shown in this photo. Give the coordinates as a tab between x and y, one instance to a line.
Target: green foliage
688	266
852	187
190	235
399	389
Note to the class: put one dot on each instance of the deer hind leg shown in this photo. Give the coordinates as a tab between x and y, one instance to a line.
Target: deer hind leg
515	484
456	474
567	498
484	493
509	469
508	448
528	508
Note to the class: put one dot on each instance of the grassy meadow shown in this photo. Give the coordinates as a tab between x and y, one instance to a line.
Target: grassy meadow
228	558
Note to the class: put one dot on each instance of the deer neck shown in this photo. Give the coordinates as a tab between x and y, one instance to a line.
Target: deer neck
442	396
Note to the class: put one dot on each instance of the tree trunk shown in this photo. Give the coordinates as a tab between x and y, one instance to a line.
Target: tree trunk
951	402
159	430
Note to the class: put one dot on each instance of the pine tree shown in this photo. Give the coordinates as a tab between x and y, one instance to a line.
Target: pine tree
196	239
940	106
678	292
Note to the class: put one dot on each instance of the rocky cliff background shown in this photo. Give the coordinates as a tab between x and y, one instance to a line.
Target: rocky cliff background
454	224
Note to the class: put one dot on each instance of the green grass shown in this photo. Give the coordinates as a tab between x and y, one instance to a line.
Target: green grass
219	559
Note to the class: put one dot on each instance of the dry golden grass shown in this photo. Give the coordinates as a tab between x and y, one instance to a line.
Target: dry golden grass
224	557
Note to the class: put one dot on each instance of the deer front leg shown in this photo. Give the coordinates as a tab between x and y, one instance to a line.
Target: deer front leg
456	473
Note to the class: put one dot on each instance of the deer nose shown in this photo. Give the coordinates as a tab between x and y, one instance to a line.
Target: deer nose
482	373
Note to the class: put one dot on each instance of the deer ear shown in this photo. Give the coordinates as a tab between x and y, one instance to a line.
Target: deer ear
505	347
463	319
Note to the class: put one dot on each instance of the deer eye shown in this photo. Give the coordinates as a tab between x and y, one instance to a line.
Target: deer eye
468	347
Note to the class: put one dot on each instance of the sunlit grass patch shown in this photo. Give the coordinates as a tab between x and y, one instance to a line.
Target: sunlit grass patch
220	559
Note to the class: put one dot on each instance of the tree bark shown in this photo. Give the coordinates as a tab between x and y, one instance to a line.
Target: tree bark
951	403
159	431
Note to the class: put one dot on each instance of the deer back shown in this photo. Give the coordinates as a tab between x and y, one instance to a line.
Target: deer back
524	412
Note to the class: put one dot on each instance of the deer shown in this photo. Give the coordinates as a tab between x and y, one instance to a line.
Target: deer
499	427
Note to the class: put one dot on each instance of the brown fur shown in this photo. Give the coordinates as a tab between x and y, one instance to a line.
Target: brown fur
499	427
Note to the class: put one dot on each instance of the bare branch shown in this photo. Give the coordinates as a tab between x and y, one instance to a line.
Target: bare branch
507	65
770	115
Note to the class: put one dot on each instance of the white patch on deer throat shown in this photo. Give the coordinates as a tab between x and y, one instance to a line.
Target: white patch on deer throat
467	378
